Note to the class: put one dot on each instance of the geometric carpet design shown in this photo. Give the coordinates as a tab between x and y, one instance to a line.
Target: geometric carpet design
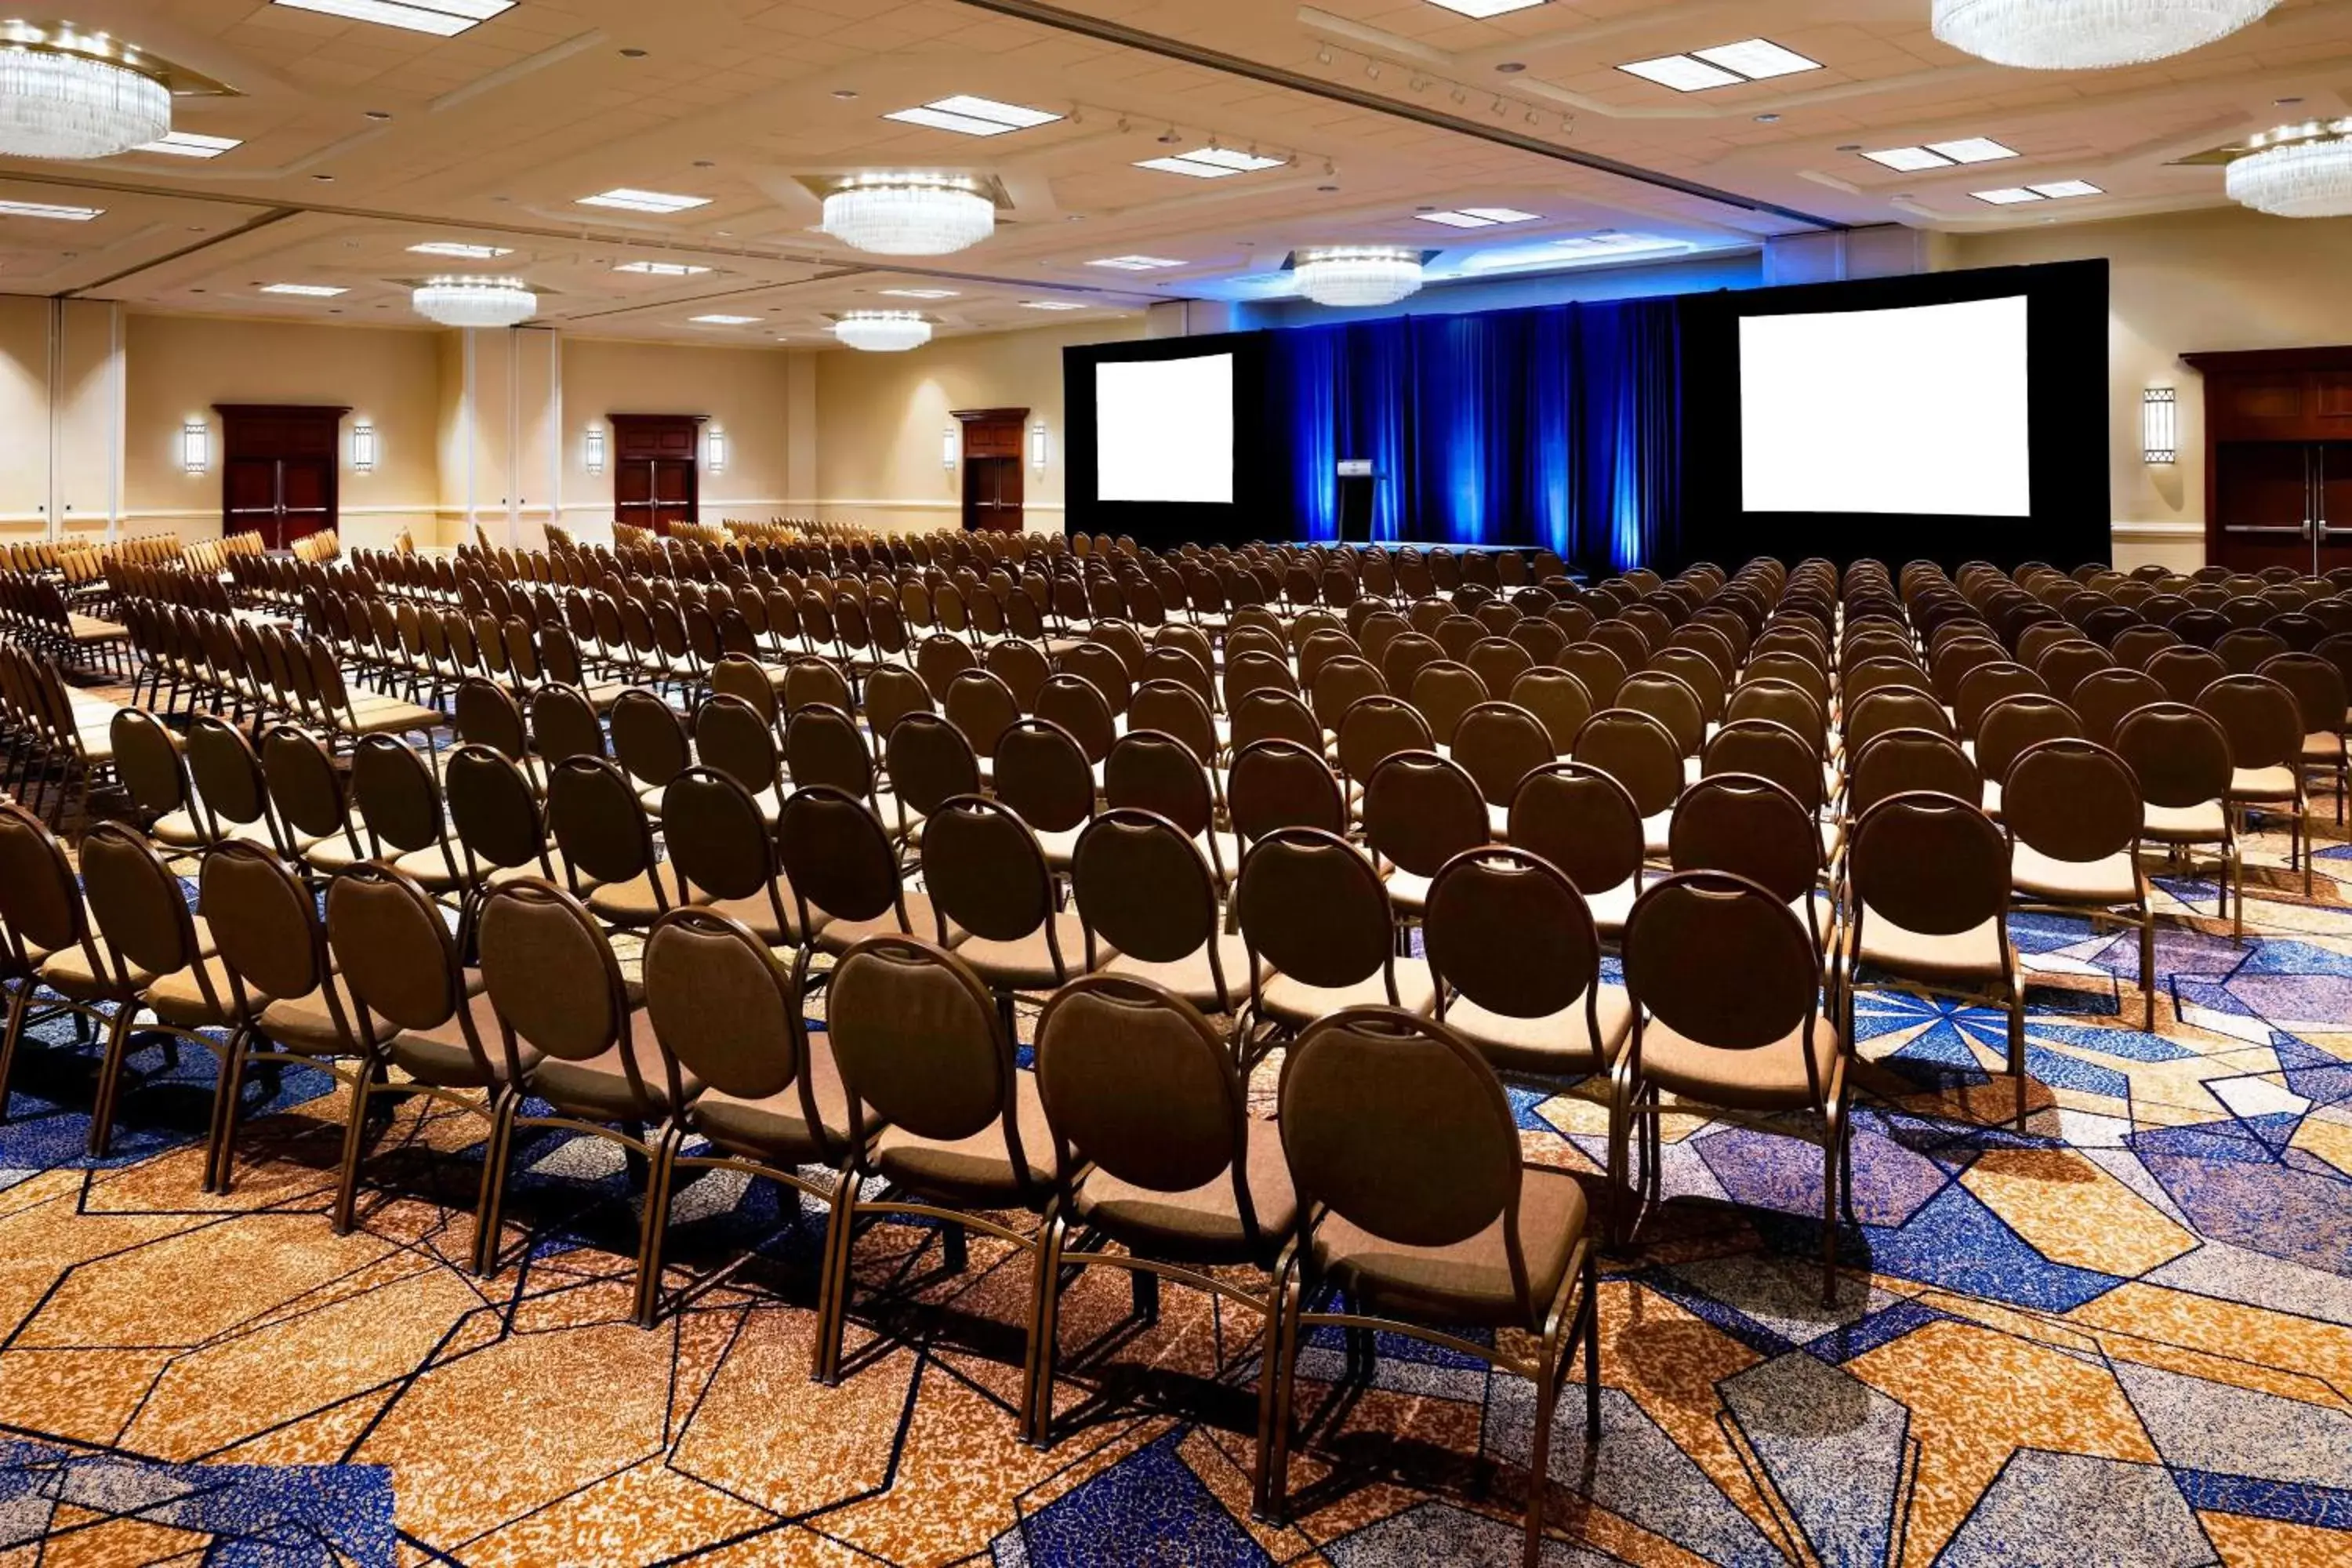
2122	1337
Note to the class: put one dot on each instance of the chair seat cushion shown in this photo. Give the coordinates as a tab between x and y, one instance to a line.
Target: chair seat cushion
2113	880
2324	746
440	1057
1204	1224
775	1129
1978	954
2205	823
835	935
1470	1281
977	1171
1562	1044
1192	977
1027	963
598	1090
1610	906
759	915
436	870
2264	783
1767	1077
307	1026
639	901
1293	1001
179	998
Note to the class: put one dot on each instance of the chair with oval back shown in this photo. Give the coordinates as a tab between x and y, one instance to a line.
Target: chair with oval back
556	988
1927	904
2265	729
1726	985
772	1103
1312	908
1405	1156
2181	762
937	1111
1419	811
2076	824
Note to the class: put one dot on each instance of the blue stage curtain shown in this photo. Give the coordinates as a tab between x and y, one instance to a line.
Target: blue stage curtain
1304	366
1559	427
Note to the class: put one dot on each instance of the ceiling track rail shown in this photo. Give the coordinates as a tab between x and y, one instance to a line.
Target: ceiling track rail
1108	32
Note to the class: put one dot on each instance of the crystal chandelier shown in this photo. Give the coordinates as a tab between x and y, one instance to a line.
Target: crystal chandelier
474	301
2086	35
65	95
883	331
910	215
2296	171
1348	275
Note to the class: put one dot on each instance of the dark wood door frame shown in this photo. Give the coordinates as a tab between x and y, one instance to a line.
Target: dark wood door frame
658	469
259	443
994	482
2273	415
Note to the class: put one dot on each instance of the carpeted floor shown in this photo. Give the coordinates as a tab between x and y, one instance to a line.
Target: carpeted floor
2124	1338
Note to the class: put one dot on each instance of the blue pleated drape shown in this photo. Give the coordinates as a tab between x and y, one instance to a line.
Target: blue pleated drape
1557	425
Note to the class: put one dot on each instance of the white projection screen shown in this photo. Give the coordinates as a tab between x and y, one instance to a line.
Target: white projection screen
1164	430
1922	410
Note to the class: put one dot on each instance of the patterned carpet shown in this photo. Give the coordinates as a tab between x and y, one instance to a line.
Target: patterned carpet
2122	1337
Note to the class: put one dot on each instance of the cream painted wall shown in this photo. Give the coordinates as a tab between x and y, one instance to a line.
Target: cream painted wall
2221	279
180	367
746	391
880	418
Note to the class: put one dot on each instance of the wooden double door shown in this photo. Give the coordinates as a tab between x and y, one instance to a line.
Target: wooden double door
994	489
279	470
2278	459
658	469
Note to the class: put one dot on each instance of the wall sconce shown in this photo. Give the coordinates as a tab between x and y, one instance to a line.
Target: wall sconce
715	447
363	447
2159	425
1037	445
948	443
596	448
195	446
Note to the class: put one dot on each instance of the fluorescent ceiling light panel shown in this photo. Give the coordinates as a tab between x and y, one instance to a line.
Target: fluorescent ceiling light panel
49	209
1051	305
920	293
724	321
1211	162
2009	196
1757	60
189	144
969	116
1477	217
1186	166
443	18
1484	7
306	291
458	247
1909	159
1682	73
2058	190
1135	263
663	268
1726	65
1972	150
636	201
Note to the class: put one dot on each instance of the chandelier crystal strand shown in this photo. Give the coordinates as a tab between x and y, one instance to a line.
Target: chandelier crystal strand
1360	274
883	331
57	105
910	215
2301	170
474	301
2088	34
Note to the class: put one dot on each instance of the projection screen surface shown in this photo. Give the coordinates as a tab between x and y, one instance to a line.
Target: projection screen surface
1164	429
1922	410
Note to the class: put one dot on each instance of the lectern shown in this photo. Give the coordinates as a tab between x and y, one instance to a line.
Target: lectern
1358	480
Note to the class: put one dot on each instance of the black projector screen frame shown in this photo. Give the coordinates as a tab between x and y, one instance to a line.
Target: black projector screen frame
2070	517
1163	525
